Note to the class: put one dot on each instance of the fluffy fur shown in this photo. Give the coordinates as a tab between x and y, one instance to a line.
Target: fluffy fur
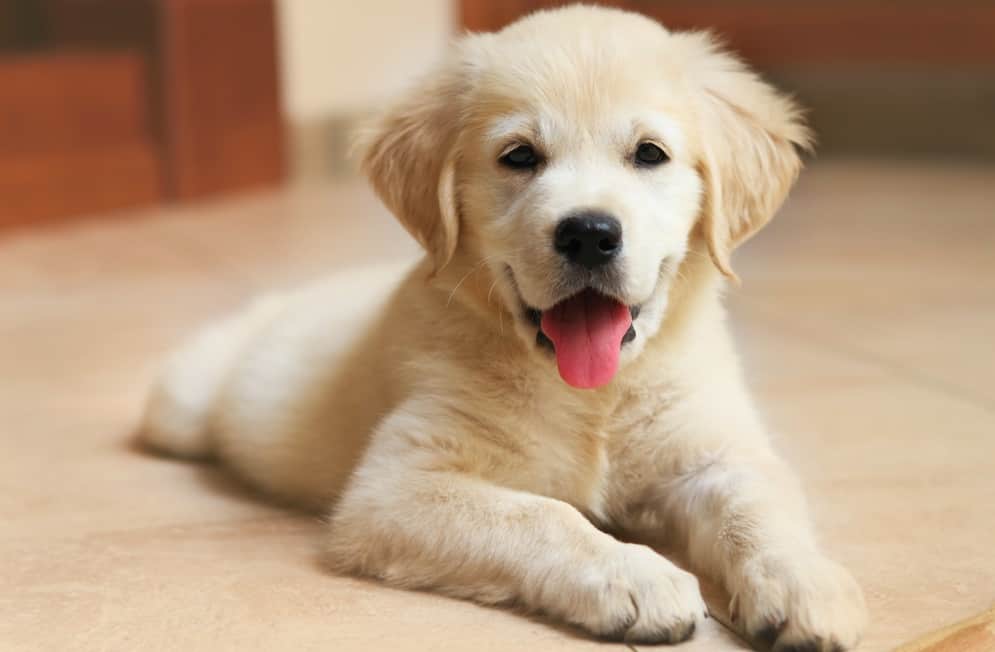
435	432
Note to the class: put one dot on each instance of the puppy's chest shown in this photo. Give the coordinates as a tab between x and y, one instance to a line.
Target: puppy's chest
568	443
565	454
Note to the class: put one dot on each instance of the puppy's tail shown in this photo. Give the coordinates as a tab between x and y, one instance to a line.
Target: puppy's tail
177	416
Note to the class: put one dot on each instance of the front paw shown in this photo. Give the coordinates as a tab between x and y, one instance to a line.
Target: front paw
797	603
631	594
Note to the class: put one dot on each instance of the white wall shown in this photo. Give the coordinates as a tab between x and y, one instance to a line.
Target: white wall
343	56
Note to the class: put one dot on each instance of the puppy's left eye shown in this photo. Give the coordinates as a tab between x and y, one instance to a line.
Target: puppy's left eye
649	155
522	157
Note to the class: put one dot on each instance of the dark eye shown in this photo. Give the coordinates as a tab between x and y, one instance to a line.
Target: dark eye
522	157
649	155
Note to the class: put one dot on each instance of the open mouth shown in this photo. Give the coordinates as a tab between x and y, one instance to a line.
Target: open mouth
586	332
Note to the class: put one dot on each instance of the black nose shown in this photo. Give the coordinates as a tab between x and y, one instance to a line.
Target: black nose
589	238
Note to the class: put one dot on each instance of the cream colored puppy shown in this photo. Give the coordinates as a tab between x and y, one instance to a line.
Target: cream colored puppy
558	364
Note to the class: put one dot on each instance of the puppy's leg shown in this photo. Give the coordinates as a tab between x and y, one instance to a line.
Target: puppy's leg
744	518
714	484
177	411
413	520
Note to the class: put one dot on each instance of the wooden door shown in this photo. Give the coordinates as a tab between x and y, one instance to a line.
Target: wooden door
106	104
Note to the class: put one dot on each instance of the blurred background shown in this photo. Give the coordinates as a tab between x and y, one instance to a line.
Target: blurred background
107	104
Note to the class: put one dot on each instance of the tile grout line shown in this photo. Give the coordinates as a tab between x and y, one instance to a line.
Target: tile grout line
290	517
188	248
829	343
730	629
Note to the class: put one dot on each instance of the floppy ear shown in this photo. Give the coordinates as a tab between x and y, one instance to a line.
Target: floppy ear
751	137
409	155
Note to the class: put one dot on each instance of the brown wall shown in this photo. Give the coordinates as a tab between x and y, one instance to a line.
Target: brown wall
775	32
113	103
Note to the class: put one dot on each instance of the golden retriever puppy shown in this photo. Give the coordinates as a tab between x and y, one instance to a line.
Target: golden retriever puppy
558	365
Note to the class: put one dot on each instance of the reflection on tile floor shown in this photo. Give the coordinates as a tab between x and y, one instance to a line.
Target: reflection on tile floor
866	322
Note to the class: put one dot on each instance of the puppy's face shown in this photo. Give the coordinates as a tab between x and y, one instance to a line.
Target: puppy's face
573	155
579	192
561	204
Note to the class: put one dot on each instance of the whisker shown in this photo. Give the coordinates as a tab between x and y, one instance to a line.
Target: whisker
473	269
491	289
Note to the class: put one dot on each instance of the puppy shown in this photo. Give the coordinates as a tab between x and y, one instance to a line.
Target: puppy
558	364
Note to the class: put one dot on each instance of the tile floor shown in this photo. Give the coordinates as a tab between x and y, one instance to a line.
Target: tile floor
867	322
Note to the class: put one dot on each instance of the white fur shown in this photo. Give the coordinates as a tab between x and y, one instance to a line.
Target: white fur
424	417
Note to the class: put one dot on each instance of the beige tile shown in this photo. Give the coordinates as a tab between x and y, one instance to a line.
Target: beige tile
248	585
779	361
275	240
944	344
900	480
892	264
899	475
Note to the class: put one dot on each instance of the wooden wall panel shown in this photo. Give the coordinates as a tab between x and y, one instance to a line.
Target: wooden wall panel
9	32
22	25
80	26
75	136
59	184
71	101
224	129
214	93
110	103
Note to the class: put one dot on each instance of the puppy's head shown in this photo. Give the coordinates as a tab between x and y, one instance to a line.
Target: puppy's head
577	158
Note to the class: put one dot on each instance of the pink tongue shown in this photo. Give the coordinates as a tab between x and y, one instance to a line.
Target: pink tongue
587	331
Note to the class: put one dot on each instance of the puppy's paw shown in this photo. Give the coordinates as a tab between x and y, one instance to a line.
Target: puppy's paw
798	603
634	594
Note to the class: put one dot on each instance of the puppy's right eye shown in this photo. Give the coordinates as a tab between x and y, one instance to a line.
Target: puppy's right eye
650	155
522	157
